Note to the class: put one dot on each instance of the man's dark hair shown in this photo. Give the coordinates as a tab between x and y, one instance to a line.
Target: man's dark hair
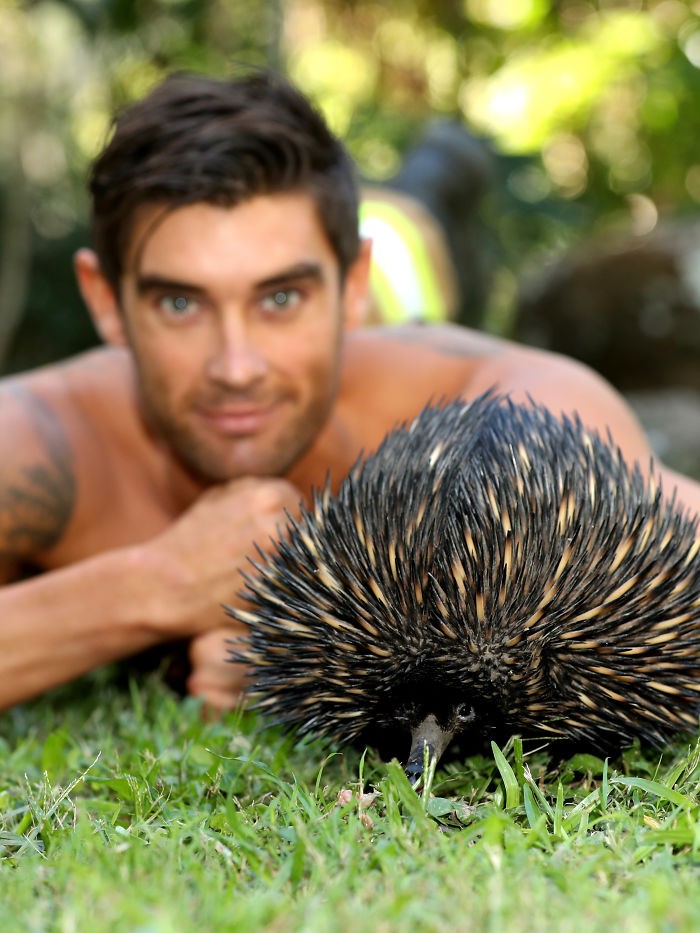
196	138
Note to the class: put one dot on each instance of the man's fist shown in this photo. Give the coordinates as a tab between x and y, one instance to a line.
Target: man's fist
217	681
202	554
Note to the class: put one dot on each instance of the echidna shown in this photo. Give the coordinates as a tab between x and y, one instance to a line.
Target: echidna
490	567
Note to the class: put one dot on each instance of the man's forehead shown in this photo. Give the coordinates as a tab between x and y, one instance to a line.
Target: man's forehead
270	232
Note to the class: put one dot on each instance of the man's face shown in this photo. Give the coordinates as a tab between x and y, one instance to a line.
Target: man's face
234	317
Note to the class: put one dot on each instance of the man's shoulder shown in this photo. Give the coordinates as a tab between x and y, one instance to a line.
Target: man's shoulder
429	341
72	442
103	365
77	389
453	360
64	415
42	418
407	365
390	373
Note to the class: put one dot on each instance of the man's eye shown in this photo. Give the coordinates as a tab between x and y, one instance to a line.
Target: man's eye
177	305
282	299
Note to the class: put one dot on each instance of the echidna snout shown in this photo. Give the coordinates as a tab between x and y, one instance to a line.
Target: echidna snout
430	738
491	562
427	703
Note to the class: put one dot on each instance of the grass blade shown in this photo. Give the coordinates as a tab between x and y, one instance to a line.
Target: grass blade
510	782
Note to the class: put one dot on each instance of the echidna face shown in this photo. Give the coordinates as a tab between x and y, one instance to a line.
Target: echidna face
421	717
458	693
489	565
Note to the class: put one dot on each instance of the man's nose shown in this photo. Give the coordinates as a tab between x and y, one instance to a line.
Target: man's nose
236	360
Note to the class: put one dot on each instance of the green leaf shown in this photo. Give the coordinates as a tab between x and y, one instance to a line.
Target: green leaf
53	758
440	806
510	782
587	764
654	787
533	813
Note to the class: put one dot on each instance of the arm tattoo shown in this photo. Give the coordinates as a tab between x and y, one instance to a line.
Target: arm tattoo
35	510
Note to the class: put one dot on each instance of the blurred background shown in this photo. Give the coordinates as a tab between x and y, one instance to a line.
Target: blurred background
579	230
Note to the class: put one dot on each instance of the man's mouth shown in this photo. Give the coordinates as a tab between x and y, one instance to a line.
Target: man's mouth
238	420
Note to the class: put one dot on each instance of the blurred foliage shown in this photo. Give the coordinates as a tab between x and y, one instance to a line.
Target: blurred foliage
589	103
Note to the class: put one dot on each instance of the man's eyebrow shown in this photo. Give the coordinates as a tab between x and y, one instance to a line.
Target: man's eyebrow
301	270
150	283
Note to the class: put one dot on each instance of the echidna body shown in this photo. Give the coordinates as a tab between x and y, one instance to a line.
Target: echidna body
490	567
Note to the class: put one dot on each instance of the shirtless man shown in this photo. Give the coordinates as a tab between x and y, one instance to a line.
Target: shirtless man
229	285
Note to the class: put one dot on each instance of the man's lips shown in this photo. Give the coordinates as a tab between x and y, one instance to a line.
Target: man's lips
238	419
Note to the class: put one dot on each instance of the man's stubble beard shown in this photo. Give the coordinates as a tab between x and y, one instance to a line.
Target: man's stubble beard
207	466
202	461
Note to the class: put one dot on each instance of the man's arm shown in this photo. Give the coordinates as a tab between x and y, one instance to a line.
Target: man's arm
60	624
63	622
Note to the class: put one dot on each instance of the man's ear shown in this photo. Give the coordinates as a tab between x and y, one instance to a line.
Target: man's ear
356	290
99	297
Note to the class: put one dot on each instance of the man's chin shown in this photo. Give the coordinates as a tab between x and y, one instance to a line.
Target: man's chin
211	458
211	469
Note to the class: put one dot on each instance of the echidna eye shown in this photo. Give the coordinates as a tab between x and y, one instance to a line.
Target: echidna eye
465	713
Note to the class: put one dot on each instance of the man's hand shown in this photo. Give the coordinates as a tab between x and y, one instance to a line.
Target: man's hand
202	554
216	680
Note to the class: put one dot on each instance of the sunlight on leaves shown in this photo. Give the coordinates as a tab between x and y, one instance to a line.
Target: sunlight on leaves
507	14
555	82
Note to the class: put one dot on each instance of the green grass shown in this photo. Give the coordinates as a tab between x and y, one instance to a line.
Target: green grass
123	810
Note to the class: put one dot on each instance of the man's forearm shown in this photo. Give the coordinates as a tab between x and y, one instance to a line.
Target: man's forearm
63	623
